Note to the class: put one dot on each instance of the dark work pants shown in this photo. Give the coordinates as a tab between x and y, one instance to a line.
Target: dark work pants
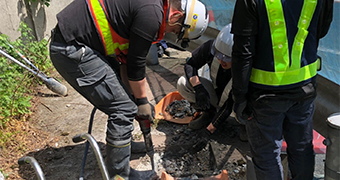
89	73
274	119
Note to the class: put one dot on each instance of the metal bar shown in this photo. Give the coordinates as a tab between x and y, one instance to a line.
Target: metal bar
22	65
97	152
87	144
26	60
34	164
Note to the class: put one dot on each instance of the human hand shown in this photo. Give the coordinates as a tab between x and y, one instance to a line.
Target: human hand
202	97
145	110
203	139
239	109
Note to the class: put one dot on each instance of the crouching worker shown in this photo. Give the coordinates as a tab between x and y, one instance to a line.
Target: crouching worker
90	33
209	97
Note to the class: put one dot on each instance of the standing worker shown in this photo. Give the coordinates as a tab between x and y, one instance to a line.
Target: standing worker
209	97
275	66
92	34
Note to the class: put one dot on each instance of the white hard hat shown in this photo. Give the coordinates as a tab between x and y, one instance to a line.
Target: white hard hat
195	22
223	44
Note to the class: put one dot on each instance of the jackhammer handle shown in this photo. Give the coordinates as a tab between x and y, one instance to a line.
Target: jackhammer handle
78	138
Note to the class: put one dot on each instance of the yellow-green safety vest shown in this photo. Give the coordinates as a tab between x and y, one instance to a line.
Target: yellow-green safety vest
286	74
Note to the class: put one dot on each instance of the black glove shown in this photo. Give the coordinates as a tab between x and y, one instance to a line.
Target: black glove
202	98
203	139
239	110
145	110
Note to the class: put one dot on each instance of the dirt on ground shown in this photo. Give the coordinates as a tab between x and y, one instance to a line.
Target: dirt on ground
57	120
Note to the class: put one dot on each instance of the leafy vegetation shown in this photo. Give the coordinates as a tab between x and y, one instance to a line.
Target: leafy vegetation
16	83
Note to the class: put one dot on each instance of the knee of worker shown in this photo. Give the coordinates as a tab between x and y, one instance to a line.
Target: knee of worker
121	112
185	89
183	84
118	132
302	153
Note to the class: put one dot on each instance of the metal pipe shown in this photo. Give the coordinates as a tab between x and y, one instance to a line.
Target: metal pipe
51	83
95	147
81	176
22	65
25	59
332	163
34	164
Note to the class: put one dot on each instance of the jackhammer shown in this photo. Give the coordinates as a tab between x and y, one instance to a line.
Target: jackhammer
145	126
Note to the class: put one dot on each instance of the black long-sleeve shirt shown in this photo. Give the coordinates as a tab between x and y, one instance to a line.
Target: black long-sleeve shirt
245	30
201	56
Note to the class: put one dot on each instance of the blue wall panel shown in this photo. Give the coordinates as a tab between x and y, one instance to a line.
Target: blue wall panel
329	49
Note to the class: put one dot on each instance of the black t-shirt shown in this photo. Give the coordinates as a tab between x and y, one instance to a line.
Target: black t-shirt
136	20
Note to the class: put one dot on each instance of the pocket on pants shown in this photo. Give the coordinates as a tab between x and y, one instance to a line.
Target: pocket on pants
101	82
90	79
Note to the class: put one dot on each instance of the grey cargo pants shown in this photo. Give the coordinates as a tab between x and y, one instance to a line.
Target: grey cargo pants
88	72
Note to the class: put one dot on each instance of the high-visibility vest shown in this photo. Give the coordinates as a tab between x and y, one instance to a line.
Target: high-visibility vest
215	65
287	67
114	44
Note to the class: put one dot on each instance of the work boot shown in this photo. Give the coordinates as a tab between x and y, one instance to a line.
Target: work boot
118	164
202	121
137	147
118	161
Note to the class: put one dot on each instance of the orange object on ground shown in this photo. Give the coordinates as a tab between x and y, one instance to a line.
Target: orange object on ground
166	176
164	102
222	176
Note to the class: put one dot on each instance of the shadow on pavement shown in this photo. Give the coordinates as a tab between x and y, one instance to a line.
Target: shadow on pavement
64	163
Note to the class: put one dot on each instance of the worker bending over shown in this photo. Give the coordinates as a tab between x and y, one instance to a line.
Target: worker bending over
91	35
209	97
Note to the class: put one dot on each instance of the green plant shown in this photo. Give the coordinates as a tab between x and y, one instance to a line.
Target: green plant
3	173
15	82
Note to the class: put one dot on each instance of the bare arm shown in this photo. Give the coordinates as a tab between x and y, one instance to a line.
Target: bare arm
138	88
194	80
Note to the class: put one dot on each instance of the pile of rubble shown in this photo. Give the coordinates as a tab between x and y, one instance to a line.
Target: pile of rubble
177	159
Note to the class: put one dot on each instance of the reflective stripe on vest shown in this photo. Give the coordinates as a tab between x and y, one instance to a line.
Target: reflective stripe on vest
286	73
215	65
225	93
112	42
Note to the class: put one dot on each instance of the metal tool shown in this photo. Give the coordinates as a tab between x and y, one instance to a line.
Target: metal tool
145	127
51	83
30	160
